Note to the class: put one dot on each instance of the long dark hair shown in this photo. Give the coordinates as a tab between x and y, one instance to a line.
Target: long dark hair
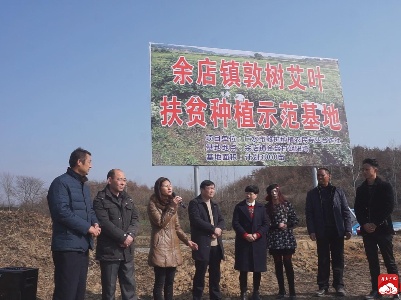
269	198
158	185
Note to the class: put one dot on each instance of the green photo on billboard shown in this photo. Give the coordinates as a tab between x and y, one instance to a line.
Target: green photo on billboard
212	107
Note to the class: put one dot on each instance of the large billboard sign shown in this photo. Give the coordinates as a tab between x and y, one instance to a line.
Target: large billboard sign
235	108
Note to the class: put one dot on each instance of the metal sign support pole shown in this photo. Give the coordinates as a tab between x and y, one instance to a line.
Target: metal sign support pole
314	176
196	181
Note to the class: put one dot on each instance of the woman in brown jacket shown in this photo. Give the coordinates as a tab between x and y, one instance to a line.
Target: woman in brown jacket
165	254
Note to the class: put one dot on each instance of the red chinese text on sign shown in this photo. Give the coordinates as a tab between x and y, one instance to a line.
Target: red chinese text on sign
331	117
229	71
206	72
252	75
267	111
289	115
315	78
310	119
182	71
243	114
295	72
274	76
170	111
220	111
195	109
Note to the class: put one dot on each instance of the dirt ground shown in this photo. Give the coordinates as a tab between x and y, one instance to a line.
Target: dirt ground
25	242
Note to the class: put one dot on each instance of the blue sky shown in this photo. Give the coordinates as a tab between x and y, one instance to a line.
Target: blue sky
76	73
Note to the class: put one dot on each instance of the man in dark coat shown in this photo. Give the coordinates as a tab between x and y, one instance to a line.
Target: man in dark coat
328	220
74	225
118	219
206	223
250	223
374	203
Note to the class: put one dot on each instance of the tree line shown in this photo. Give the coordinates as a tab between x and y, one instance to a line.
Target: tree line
29	193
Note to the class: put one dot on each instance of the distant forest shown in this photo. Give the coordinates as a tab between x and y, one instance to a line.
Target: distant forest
19	192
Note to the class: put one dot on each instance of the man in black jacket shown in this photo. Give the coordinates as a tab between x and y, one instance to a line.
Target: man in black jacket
328	221
118	219
374	203
207	224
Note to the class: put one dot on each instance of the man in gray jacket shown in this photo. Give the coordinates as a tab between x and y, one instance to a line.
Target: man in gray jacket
328	221
118	219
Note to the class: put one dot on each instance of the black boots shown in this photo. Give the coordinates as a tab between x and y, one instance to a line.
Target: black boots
255	295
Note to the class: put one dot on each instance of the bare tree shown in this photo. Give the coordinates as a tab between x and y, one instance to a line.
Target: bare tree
29	190
395	163
7	182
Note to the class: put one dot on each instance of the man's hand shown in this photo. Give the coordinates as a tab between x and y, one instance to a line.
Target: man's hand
369	227
347	235
95	230
218	232
250	238
312	236
128	241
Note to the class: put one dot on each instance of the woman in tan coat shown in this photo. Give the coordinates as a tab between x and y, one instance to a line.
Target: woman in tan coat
165	254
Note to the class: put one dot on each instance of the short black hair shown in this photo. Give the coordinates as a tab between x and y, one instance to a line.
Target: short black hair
78	154
371	161
206	183
325	169
252	189
111	173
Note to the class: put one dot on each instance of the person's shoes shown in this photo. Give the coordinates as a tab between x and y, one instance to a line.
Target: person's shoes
373	295
280	295
321	292
292	296
255	295
340	292
244	295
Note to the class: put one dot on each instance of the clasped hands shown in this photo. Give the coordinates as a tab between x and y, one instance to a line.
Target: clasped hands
369	227
128	241
217	232
251	237
282	226
95	230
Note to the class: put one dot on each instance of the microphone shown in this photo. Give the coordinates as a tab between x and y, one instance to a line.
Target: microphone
181	203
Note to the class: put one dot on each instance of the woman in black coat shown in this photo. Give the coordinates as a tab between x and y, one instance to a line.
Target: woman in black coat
250	224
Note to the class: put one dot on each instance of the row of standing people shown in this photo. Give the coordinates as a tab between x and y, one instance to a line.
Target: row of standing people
114	221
